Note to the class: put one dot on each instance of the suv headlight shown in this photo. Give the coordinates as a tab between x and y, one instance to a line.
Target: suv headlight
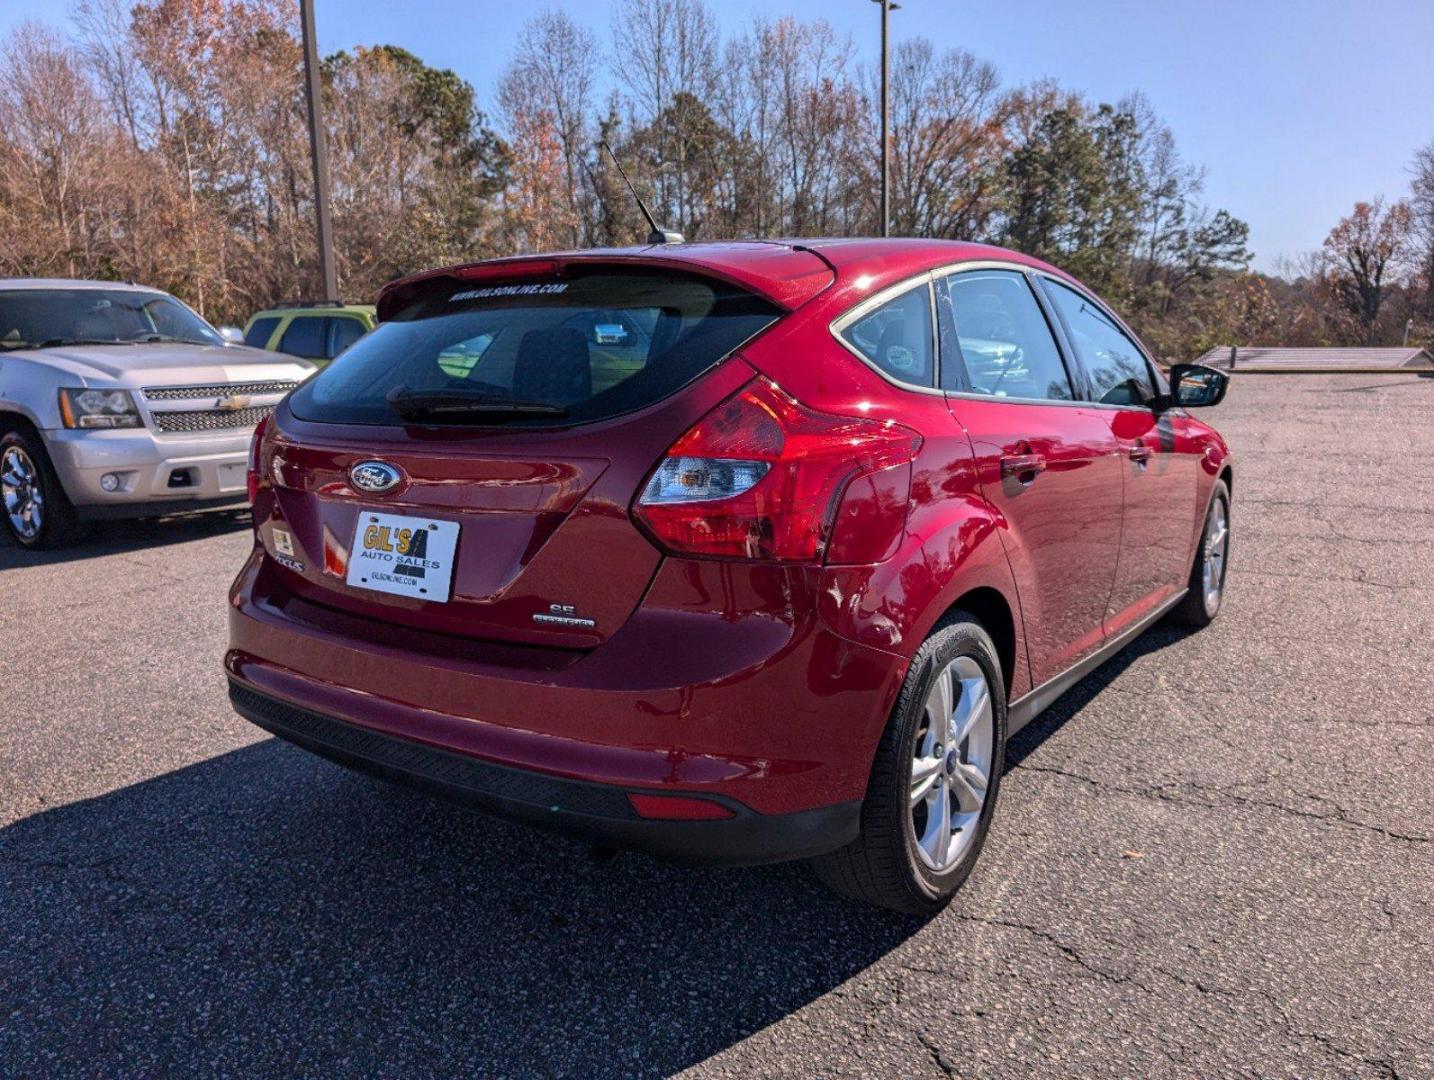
98	409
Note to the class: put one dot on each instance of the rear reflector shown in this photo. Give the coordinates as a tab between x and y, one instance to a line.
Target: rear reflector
677	808
254	475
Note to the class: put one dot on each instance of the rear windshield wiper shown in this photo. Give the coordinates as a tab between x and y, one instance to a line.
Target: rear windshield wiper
438	404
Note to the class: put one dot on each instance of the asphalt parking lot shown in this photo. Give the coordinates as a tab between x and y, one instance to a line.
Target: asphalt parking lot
1214	857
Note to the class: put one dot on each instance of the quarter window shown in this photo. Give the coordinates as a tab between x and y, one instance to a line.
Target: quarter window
897	337
1118	371
995	340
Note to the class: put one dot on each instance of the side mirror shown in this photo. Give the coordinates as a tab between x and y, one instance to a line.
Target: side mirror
232	335
1195	386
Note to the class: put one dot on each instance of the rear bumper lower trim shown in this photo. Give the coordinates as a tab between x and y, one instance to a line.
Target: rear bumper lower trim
596	812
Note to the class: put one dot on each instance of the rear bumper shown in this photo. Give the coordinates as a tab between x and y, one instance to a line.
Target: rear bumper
157	474
599	813
775	720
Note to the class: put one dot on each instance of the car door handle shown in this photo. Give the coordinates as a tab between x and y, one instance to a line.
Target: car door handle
1141	454
1025	467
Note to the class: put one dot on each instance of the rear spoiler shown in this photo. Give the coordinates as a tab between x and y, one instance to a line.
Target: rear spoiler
787	290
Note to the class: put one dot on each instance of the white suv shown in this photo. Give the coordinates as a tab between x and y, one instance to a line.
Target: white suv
119	401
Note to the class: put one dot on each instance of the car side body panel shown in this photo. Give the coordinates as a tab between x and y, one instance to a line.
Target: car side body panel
1062	525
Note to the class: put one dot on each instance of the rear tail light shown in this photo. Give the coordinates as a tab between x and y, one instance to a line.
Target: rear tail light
255	476
762	476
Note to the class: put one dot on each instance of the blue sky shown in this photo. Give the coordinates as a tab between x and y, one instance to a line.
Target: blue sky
1296	109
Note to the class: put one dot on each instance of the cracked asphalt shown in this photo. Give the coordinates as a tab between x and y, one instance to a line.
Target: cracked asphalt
1214	857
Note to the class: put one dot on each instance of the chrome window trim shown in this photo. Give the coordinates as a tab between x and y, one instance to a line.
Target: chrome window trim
965	395
1063	347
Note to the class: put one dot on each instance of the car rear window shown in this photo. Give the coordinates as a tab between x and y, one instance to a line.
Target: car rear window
594	343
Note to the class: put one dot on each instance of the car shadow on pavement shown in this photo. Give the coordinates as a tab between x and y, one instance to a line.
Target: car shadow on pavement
118	537
265	912
1161	636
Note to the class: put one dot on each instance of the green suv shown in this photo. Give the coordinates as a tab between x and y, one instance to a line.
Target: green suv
316	331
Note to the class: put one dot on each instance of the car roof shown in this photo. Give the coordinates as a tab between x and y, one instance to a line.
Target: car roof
787	271
312	309
9	284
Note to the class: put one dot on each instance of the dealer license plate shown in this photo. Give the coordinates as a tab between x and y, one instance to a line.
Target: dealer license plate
405	556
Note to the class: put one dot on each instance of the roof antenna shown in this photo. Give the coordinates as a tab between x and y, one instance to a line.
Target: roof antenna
658	235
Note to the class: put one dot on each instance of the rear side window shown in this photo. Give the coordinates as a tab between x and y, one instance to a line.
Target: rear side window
897	337
594	343
258	334
305	336
994	339
1118	371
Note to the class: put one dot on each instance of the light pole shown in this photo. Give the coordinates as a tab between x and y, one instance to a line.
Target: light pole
318	147
887	7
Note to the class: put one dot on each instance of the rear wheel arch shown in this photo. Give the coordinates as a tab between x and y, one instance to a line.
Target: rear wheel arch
976	578
993	611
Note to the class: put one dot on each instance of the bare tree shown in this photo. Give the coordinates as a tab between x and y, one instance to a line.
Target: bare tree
947	118
1365	249
553	73
820	125
663	49
52	153
1422	209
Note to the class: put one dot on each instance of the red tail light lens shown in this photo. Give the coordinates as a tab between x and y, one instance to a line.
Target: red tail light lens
255	476
761	477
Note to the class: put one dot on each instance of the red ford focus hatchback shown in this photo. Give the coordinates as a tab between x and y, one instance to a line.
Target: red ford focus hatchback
729	553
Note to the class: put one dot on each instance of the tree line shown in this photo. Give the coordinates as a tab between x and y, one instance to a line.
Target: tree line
165	141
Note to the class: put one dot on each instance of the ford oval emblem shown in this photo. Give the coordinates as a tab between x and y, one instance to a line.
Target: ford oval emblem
374	476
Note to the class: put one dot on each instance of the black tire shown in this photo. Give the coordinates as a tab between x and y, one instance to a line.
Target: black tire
881	866
59	524
1197	609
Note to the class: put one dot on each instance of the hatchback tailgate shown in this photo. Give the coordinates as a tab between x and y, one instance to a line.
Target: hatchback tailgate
546	544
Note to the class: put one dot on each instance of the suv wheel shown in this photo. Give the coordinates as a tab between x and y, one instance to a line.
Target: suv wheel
1207	576
934	780
35	507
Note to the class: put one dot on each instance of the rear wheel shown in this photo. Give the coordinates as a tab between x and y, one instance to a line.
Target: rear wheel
35	507
934	780
1207	576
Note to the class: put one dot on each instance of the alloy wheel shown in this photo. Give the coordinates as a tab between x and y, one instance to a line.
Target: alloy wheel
951	764
1217	539
22	493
